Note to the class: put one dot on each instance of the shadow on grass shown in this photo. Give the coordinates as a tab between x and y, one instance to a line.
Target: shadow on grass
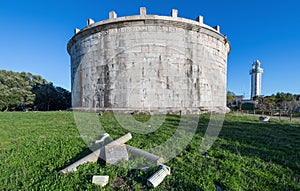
272	142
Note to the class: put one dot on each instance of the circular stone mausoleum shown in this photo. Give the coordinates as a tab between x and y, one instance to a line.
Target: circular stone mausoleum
163	64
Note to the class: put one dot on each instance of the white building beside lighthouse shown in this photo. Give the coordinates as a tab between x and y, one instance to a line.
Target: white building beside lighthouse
256	77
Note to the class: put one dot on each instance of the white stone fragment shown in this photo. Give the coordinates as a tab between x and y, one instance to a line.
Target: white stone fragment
100	180
159	176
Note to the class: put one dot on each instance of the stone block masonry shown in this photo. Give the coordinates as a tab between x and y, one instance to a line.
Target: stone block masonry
163	64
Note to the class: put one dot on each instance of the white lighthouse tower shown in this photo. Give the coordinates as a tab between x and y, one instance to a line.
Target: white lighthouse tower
256	74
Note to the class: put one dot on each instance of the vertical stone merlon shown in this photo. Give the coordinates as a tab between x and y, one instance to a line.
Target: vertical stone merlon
217	28
90	21
174	13
143	11
76	31
200	19
112	15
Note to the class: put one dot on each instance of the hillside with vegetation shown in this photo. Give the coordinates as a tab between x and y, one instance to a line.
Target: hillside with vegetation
25	91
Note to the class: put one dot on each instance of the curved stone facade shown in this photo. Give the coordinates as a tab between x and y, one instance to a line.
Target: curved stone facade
149	62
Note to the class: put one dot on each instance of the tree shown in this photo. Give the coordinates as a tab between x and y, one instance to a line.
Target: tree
259	102
15	90
49	97
63	98
270	102
283	98
24	90
231	98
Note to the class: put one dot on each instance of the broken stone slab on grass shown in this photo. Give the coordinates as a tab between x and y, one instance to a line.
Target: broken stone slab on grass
100	180
122	139
136	152
115	153
93	157
118	141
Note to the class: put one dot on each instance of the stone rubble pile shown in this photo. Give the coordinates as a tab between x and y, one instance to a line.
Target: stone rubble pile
116	150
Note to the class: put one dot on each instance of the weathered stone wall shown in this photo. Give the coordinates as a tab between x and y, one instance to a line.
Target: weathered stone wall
147	62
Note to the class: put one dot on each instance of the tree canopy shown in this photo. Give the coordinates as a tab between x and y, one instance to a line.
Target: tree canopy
231	97
20	90
280	100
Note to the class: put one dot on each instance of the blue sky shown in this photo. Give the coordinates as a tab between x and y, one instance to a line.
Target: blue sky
34	35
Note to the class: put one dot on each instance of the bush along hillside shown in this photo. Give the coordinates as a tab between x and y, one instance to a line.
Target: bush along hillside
21	91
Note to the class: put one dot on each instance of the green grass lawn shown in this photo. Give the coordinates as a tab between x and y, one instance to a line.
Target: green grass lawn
248	155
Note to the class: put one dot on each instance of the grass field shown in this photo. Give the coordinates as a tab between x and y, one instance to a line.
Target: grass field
248	155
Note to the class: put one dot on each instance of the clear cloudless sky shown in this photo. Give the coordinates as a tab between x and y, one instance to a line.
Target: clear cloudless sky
34	35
